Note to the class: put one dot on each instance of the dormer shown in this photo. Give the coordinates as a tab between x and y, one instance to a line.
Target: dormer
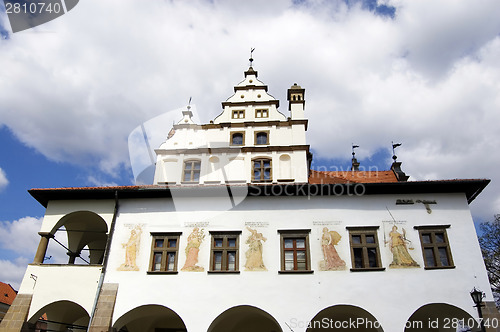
250	102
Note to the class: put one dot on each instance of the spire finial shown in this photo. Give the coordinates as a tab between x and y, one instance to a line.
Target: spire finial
394	146
354	162
189	104
354	147
251	56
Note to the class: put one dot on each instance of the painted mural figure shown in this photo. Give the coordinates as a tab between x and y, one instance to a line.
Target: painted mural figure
131	249
332	260
192	249
400	255
254	253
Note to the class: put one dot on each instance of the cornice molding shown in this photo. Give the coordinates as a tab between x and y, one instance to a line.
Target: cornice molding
250	103
233	150
250	87
268	123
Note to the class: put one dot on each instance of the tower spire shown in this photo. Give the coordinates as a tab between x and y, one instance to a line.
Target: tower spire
251	56
394	146
396	165
354	161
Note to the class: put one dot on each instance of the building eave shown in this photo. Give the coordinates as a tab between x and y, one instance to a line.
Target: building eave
471	188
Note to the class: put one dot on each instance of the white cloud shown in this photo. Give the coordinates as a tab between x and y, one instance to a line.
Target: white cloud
3	180
94	181
18	244
21	236
12	272
75	87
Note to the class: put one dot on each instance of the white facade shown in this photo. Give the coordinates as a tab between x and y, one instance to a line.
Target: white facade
371	287
250	112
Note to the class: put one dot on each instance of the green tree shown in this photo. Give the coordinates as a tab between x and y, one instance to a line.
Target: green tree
490	248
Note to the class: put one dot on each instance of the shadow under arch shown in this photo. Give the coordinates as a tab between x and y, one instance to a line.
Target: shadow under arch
344	317
150	318
63	316
244	318
440	317
84	229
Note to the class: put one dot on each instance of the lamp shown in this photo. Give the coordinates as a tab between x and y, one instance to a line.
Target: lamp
477	297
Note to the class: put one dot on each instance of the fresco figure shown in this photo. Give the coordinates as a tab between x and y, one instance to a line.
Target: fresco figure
400	255
192	249
332	261
254	253
131	249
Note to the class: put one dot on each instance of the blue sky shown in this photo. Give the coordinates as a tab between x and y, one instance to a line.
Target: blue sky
422	73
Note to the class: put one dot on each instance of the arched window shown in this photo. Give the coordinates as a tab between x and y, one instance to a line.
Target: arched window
237	138
191	171
261	170
262	138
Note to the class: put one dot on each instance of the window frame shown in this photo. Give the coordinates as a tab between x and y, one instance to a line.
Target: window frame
363	231
225	249
164	251
237	132
261	111
295	234
262	132
262	169
238	114
192	171
434	245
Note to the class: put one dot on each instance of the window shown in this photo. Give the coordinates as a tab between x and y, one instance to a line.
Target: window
164	252
263	113
237	138
295	256
261	170
224	251
262	138
191	171
365	254
435	247
238	114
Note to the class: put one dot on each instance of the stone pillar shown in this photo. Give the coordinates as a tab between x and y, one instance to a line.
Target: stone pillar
72	256
101	322
17	314
42	247
491	317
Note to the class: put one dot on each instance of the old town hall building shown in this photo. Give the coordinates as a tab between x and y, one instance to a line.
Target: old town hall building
237	233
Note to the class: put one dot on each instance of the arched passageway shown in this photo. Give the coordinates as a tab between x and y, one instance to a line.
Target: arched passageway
440	317
344	318
62	316
244	318
86	234
150	318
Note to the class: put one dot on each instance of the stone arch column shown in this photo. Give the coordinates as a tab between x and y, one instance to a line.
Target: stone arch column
42	247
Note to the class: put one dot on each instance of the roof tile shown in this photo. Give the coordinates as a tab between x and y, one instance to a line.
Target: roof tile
7	293
324	177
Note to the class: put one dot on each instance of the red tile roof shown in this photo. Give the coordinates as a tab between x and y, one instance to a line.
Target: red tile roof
319	177
7	293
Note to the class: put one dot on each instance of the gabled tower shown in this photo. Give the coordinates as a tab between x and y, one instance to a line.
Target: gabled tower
249	142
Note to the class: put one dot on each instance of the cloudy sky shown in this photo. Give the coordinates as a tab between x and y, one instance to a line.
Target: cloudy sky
422	73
